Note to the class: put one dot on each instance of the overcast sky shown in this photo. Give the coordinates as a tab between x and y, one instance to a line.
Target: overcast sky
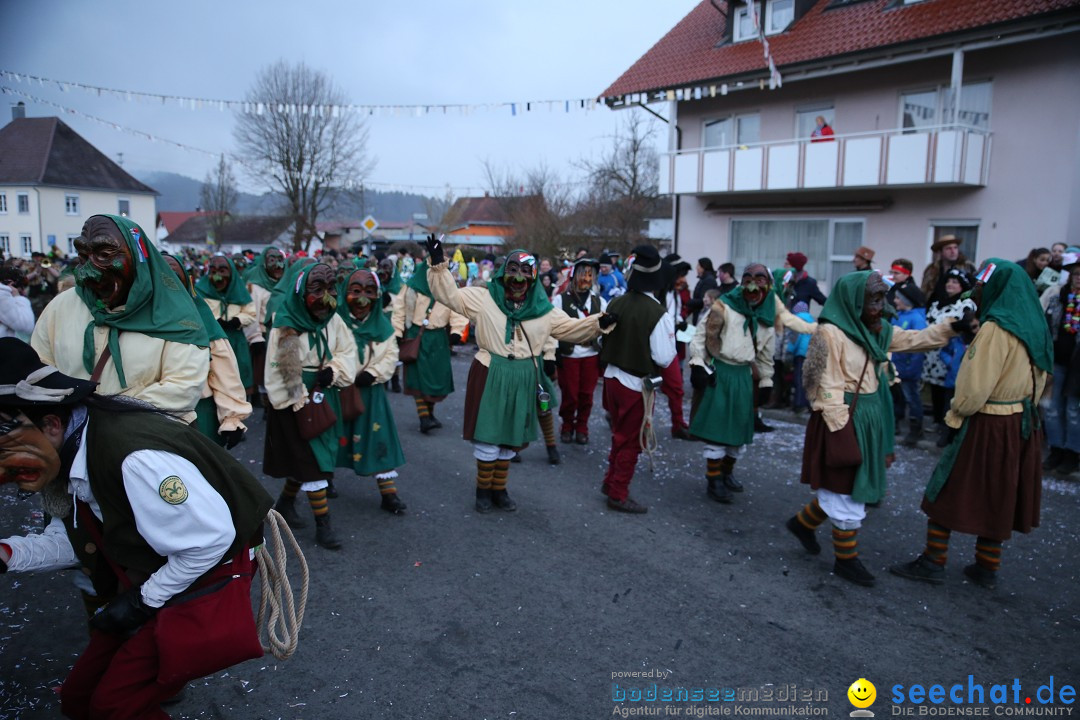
377	51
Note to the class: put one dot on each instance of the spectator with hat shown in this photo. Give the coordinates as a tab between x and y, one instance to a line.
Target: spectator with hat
864	258
947	256
941	366
803	287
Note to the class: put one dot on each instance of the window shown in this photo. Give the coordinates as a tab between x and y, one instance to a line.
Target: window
778	15
5	244
3	203
918	109
748	129
123	207
71	245
806	119
718	133
71	204
933	107
966	230
744	23
738	130
24	203
27	246
828	244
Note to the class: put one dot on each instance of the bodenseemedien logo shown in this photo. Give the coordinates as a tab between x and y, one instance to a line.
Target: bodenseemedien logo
862	694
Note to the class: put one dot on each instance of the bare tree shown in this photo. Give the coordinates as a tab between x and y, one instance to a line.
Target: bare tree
299	139
218	197
538	203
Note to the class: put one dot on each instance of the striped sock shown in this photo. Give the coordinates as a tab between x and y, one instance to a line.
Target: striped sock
727	464
937	542
502	471
712	468
484	470
844	544
317	498
811	516
988	553
422	407
386	483
292	487
547	425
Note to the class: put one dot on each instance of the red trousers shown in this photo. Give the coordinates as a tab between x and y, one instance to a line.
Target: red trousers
627	411
116	678
577	382
673	388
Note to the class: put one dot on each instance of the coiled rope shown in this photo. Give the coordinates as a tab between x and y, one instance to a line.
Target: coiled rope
647	434
286	616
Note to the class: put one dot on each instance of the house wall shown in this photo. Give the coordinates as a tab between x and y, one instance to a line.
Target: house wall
1031	197
15	224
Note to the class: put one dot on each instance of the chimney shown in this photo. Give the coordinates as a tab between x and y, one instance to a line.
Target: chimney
18	110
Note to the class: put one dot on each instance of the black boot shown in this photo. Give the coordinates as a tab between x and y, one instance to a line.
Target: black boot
324	534
428	423
852	569
806	536
395	383
287	508
434	419
915	433
1070	462
760	426
719	492
922	569
483	500
943	437
501	499
553	455
391	503
727	468
516	458
331	491
981	576
1054	458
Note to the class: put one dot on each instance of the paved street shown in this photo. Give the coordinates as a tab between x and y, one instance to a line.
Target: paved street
443	613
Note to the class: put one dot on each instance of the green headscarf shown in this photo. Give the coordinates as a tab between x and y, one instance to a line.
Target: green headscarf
376	327
1009	299
278	292
394	286
293	313
764	314
213	328
257	275
536	300
844	307
156	305
235	293
418	281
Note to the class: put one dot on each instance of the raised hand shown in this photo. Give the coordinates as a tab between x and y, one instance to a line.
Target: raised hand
435	250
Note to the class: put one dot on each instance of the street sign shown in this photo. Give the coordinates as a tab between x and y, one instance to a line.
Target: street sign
370	224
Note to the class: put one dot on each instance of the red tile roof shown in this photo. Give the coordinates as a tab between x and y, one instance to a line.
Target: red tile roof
173	220
689	54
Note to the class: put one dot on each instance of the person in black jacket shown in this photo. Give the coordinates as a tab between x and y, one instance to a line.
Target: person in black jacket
803	287
706	282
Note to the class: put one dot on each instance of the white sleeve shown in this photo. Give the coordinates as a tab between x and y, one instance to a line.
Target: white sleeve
662	341
15	311
180	516
50	550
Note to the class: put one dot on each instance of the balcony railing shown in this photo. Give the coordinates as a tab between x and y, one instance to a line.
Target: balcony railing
943	155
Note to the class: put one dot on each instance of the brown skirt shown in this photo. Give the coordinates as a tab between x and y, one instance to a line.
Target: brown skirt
995	487
258	364
285	453
474	390
814	472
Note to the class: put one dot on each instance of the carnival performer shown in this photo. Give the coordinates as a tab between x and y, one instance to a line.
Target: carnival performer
635	352
310	356
129	319
223	407
155	513
393	297
224	291
988	481
733	348
265	272
849	437
370	445
513	320
579	364
430	379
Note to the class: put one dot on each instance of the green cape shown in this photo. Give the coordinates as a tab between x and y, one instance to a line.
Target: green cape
418	281
278	292
376	327
256	274
293	313
213	328
394	286
536	300
844	307
764	314
235	293
157	305
1009	299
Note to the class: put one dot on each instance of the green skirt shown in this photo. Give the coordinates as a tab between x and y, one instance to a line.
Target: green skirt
243	356
726	413
371	443
874	429
206	419
507	414
325	446
431	374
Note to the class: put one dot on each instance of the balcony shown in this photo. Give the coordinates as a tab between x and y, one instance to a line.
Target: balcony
941	156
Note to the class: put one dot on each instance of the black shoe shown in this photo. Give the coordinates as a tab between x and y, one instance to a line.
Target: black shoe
324	534
731	483
177	698
1070	462
483	500
391	503
436	422
760	426
427	424
944	436
915	433
516	458
331	491
287	508
806	536
629	505
395	384
982	577
852	570
501	499
581	438
1054	458
921	568
566	437
681	433
553	455
604	489
719	492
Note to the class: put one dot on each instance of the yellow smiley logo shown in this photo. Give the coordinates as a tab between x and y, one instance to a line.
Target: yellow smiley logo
862	693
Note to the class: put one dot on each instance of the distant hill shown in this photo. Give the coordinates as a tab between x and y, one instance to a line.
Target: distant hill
180	193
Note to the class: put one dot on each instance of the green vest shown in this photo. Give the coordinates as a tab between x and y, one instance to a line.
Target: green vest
569	306
111	437
627	345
